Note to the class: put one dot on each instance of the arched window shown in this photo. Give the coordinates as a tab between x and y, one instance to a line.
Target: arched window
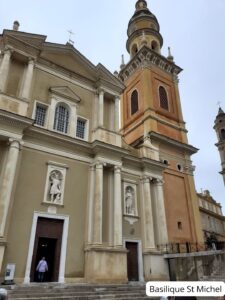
134	102
223	134
163	98
154	46
61	120
134	50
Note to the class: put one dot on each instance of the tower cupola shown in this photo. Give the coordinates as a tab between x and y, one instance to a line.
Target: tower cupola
143	29
220	131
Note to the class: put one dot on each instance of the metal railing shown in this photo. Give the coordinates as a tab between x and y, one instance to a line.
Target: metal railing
190	247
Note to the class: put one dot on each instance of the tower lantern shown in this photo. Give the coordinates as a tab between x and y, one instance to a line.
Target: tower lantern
143	25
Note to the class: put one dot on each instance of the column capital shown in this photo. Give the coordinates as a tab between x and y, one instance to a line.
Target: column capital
158	181
100	91
146	179
117	169
8	50
99	164
15	143
31	60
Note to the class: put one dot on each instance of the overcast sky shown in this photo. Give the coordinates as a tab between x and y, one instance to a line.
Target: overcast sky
195	30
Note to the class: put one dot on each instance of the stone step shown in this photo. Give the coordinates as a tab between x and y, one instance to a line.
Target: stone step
88	298
110	294
78	292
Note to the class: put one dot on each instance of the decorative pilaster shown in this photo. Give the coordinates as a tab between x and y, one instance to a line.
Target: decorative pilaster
117	208
4	69
26	87
90	203
116	115
101	108
161	226
97	210
8	181
149	236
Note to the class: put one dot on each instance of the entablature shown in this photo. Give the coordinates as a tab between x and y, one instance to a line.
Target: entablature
146	58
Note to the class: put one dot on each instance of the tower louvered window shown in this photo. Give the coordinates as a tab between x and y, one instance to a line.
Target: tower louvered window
134	102
61	118
163	98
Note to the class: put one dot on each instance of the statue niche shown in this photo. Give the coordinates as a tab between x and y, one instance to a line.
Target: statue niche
129	201
55	186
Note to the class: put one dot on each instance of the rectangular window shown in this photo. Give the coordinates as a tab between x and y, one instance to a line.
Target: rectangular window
81	127
40	115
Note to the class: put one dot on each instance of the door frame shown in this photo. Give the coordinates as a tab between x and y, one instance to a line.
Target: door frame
140	258
62	262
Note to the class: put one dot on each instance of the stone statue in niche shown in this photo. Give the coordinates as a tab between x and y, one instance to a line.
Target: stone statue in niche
55	191
129	201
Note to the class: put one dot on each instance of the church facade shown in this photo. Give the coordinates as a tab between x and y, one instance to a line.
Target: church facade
100	202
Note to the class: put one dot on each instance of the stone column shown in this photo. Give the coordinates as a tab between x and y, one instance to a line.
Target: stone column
4	69
116	114
117	208
161	226
149	238
97	209
90	203
26	87
101	109
7	182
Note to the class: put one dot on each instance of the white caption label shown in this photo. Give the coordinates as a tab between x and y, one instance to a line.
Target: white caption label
185	288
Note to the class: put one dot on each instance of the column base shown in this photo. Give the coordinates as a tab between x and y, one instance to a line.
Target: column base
105	265
155	267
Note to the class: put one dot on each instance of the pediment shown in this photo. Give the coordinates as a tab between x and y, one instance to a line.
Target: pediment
69	58
106	76
65	92
35	40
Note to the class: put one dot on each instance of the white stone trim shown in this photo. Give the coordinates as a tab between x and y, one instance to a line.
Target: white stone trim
86	130
140	257
60	169
57	152
134	187
62	263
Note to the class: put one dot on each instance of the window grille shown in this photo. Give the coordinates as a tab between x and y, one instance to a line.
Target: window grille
134	102
61	119
81	126
163	98
40	115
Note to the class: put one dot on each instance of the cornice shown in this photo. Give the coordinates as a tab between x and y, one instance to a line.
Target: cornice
61	140
211	213
185	147
147	58
15	120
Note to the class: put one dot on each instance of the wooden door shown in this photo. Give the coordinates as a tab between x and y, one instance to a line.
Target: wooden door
48	241
132	261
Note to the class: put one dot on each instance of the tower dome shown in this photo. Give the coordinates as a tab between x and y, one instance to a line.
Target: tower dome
143	29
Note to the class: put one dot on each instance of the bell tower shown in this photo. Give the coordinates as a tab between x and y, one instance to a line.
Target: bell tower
220	131
152	121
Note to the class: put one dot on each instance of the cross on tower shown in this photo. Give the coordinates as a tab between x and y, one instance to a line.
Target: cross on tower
70	34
